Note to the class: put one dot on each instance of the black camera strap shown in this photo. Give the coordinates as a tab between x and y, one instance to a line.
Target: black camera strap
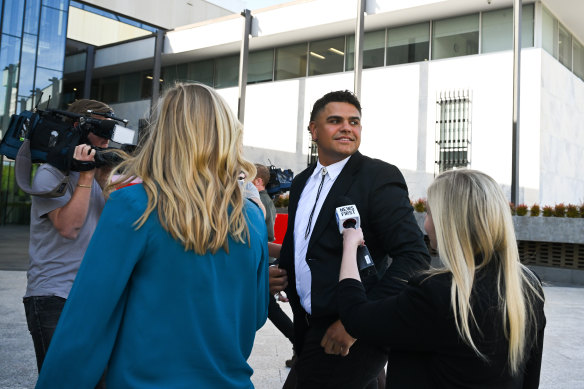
22	169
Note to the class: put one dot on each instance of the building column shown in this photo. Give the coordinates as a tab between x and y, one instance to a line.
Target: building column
243	61
89	65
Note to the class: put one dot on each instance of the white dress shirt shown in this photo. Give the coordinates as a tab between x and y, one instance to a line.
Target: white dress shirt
305	205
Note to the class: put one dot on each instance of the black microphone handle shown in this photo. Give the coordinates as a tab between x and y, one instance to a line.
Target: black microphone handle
365	262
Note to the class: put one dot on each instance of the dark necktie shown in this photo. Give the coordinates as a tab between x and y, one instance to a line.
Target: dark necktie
323	174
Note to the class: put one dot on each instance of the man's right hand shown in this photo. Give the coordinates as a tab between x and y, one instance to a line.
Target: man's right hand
278	279
84	153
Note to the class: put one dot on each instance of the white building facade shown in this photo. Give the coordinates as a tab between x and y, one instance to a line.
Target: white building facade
437	84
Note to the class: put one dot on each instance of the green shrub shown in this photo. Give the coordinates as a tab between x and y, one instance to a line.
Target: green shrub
282	200
535	210
521	210
560	210
512	207
572	211
419	205
547	211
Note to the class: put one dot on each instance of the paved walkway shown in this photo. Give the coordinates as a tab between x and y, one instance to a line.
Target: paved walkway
563	359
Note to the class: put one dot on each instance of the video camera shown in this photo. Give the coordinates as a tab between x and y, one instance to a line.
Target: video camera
51	136
54	134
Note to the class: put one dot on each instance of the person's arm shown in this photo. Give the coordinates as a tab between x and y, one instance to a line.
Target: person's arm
336	339
274	249
90	321
69	219
393	227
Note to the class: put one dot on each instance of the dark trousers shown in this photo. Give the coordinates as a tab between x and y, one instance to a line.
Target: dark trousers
316	369
42	316
282	321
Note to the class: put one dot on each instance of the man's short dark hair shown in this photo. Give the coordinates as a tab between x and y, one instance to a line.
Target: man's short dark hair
340	96
263	172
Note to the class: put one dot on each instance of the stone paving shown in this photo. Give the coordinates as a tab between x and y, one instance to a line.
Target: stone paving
563	359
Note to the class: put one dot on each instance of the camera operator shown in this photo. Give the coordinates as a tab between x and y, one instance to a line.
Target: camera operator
60	231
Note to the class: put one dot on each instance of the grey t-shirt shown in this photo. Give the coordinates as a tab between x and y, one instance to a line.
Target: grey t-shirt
54	259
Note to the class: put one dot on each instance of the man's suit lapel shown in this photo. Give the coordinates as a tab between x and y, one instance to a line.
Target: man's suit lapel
340	187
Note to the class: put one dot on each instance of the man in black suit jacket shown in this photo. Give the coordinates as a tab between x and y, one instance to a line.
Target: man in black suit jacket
312	249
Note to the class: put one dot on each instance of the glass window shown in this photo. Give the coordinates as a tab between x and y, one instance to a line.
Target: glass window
455	37
260	66
326	56
51	52
291	62
58	4
49	82
408	44
497	29
227	71
12	17
201	71
174	73
578	59
565	47
549	34
373	50
129	87
25	84
32	16
146	90
108	89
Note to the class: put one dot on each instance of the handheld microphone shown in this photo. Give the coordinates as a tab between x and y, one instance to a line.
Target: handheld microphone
348	217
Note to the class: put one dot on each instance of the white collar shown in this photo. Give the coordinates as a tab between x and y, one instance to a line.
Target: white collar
333	170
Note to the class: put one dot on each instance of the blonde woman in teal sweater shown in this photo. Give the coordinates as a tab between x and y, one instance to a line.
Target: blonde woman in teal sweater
174	284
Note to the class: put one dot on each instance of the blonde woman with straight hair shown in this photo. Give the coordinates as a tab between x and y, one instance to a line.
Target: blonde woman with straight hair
174	284
478	321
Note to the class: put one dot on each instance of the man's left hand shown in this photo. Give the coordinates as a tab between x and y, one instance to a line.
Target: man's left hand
336	340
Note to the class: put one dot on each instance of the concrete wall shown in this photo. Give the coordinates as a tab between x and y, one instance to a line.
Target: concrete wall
562	134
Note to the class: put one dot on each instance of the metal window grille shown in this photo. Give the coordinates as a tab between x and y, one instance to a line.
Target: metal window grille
453	129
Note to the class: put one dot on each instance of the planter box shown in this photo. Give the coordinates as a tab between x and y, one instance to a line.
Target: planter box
546	242
549	229
539	229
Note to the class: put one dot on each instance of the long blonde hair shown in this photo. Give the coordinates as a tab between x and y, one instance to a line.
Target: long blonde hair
189	163
474	228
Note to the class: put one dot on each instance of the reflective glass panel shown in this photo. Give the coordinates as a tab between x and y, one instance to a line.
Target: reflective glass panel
227	71
408	44
52	36
326	56
497	29
291	62
578	59
373	50
108	89
25	85
174	73
12	17
9	53
455	37
260	66
48	81
548	36
565	47
32	16
130	87
201	71
58	4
